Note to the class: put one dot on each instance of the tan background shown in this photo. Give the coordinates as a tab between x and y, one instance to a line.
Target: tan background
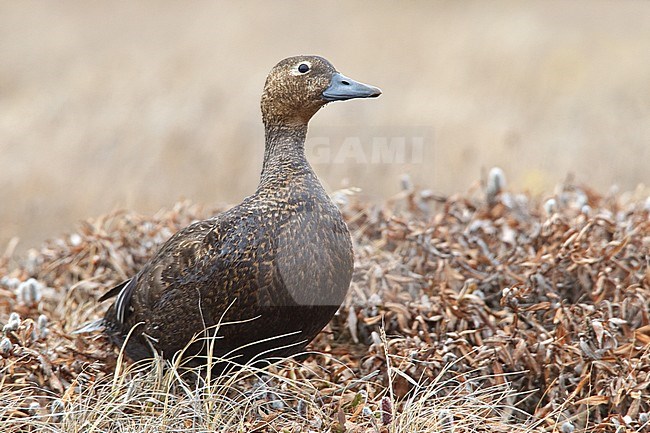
137	104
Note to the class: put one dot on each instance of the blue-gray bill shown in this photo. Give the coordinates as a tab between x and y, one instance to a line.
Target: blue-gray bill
342	88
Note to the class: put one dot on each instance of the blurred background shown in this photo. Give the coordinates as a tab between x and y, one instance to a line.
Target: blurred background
135	105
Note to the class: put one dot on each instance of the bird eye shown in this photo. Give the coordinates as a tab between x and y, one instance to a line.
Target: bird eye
303	68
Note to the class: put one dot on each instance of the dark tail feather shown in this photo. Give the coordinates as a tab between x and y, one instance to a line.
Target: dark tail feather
100	324
114	291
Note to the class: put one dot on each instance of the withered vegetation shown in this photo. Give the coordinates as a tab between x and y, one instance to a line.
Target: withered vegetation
489	311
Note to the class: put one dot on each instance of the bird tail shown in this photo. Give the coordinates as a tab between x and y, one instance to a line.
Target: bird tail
88	327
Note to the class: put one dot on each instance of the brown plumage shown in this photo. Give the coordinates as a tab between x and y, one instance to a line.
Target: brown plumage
279	264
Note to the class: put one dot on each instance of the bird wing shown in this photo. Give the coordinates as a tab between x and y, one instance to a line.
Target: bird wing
172	265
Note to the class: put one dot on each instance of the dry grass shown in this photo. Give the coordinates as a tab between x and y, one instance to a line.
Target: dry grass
482	312
157	396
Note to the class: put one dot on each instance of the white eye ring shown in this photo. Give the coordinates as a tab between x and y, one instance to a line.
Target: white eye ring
296	69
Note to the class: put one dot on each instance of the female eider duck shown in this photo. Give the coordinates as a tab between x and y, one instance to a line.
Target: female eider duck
264	277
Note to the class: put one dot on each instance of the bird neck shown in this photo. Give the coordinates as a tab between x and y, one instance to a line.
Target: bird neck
284	155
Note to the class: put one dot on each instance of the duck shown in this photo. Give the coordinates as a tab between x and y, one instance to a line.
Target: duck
262	279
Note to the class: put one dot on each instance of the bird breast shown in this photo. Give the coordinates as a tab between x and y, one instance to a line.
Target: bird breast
313	255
